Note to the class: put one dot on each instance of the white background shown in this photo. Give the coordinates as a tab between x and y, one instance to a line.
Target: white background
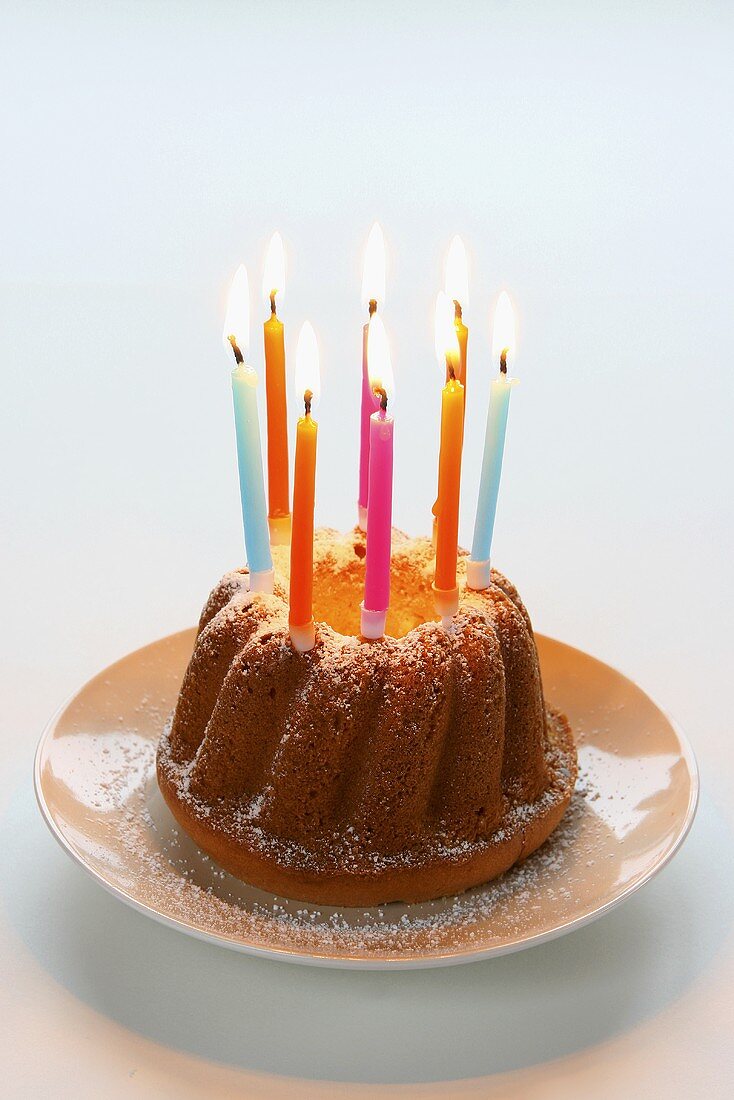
585	153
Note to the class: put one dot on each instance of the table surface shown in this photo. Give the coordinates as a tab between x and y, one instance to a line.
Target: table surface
585	155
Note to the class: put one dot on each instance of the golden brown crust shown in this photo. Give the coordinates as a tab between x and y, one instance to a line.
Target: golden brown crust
515	839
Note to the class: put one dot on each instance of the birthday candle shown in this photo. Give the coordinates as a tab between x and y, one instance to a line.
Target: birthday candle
275	394
379	507
373	294
445	589
300	613
503	340
456	288
247	427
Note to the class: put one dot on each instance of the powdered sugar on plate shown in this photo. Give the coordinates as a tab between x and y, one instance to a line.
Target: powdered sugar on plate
183	884
633	804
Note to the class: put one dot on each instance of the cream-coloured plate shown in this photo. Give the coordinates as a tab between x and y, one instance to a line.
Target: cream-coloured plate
635	802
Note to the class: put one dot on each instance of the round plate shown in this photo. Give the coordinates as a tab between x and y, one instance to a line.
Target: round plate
634	804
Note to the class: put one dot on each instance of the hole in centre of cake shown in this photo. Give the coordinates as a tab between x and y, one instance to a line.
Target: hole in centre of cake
338	582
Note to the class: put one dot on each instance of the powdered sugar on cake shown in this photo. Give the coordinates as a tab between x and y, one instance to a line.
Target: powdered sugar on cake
404	768
187	885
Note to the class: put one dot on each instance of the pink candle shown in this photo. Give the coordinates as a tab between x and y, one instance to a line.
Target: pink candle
379	504
369	404
379	526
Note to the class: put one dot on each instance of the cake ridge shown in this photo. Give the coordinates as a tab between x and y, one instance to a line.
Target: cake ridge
365	771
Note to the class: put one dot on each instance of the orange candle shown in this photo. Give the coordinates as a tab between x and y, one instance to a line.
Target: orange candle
445	589
456	287
300	615
279	519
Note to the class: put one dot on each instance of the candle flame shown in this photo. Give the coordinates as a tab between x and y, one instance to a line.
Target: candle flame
274	270
503	333
308	374
237	318
379	360
457	273
373	271
447	342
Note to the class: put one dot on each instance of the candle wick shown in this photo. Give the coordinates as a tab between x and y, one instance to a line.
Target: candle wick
307	399
450	368
235	349
272	302
373	306
382	394
457	310
503	360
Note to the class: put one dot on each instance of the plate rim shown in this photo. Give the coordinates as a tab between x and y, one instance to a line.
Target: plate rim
358	962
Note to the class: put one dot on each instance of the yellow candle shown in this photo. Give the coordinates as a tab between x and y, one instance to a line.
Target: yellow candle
275	396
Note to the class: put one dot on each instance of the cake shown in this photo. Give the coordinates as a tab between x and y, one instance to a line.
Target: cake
364	772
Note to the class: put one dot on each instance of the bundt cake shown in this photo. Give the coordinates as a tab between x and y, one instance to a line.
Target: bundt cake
365	772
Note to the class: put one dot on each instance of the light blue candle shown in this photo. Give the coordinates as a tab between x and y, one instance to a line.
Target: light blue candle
478	566
252	483
236	335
